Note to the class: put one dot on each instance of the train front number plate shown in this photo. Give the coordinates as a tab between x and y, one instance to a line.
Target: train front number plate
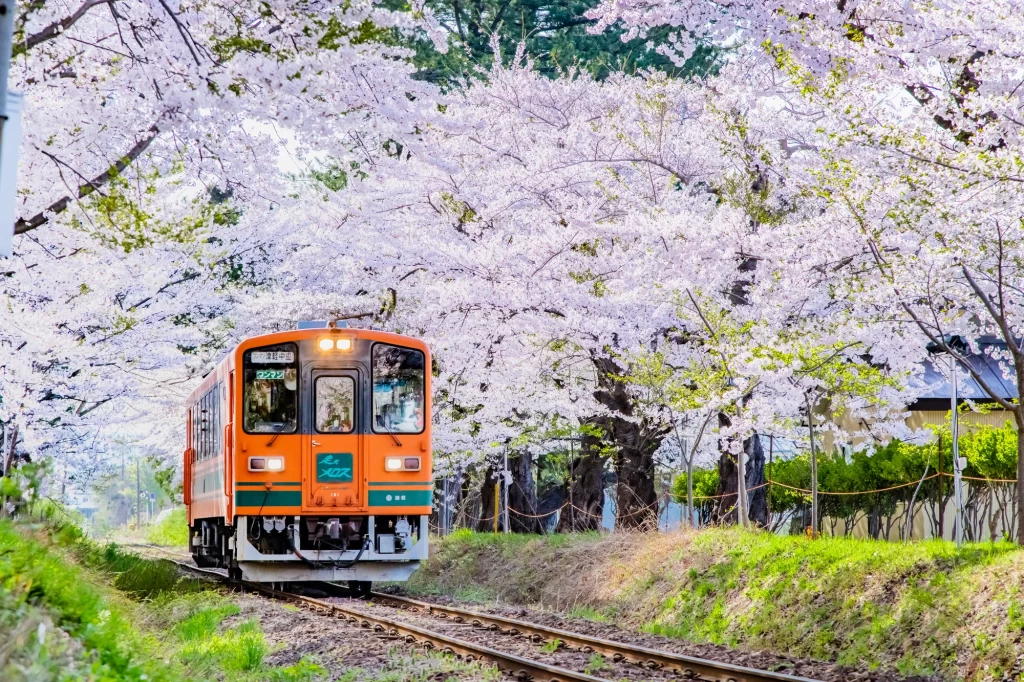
334	467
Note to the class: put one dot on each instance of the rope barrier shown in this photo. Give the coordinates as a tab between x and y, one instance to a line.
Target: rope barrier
978	478
856	492
538	516
667	497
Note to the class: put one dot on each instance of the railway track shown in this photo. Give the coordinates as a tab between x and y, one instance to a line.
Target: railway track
519	667
688	667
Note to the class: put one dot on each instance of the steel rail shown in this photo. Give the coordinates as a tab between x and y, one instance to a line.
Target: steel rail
691	668
516	666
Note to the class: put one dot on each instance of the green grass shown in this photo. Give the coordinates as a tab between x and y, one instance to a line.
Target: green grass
920	608
585	612
125	617
39	583
172	531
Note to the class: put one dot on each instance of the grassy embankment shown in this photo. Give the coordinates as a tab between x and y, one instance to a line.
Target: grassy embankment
921	608
71	609
172	531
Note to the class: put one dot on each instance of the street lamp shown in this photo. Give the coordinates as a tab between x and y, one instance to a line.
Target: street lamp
935	349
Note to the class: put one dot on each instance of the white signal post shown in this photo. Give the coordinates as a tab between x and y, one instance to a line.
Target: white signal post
10	130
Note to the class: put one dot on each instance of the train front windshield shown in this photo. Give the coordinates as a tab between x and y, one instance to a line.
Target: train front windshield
398	396
271	389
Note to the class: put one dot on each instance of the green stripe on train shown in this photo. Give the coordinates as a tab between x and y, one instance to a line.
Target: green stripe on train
269	498
400	498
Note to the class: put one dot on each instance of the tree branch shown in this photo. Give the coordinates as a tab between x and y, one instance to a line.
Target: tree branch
56	28
24	225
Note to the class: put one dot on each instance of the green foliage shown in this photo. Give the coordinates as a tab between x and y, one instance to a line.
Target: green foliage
171	531
164	476
22	485
31	575
554	35
111	628
551	646
991	452
705	485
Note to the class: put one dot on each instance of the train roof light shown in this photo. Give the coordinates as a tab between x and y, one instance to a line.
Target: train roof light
326	344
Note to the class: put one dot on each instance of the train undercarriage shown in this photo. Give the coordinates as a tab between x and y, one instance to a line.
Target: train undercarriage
357	549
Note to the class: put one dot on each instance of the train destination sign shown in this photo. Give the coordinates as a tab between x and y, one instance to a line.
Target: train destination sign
265	357
334	467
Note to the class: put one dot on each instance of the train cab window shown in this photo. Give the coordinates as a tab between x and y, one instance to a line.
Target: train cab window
335	404
398	389
270	392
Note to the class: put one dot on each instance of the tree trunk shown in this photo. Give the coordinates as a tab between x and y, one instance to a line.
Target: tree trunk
522	495
636	500
10	444
486	522
634	443
585	506
724	510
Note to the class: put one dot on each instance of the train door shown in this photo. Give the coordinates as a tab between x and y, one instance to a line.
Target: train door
332	462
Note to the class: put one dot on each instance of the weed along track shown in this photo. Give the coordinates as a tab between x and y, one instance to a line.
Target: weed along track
522	650
601	657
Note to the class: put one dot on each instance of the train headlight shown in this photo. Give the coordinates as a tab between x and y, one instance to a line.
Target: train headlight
266	464
402	464
327	344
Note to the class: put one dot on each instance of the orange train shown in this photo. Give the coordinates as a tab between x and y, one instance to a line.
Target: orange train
308	457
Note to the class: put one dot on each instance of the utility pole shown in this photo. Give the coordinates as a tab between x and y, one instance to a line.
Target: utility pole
958	490
10	130
741	486
138	496
506	476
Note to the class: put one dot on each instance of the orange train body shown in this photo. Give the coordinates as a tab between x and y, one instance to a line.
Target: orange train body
308	457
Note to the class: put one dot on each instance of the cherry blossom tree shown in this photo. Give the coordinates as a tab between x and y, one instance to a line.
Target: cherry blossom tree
157	131
916	155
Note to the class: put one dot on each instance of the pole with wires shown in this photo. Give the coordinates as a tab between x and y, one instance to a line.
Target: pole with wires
506	475
958	489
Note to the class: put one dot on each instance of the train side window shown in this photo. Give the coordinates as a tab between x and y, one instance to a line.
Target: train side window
215	399
270	389
398	389
197	433
335	404
206	427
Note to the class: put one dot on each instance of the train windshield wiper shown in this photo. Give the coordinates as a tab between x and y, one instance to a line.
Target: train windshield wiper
384	422
280	428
